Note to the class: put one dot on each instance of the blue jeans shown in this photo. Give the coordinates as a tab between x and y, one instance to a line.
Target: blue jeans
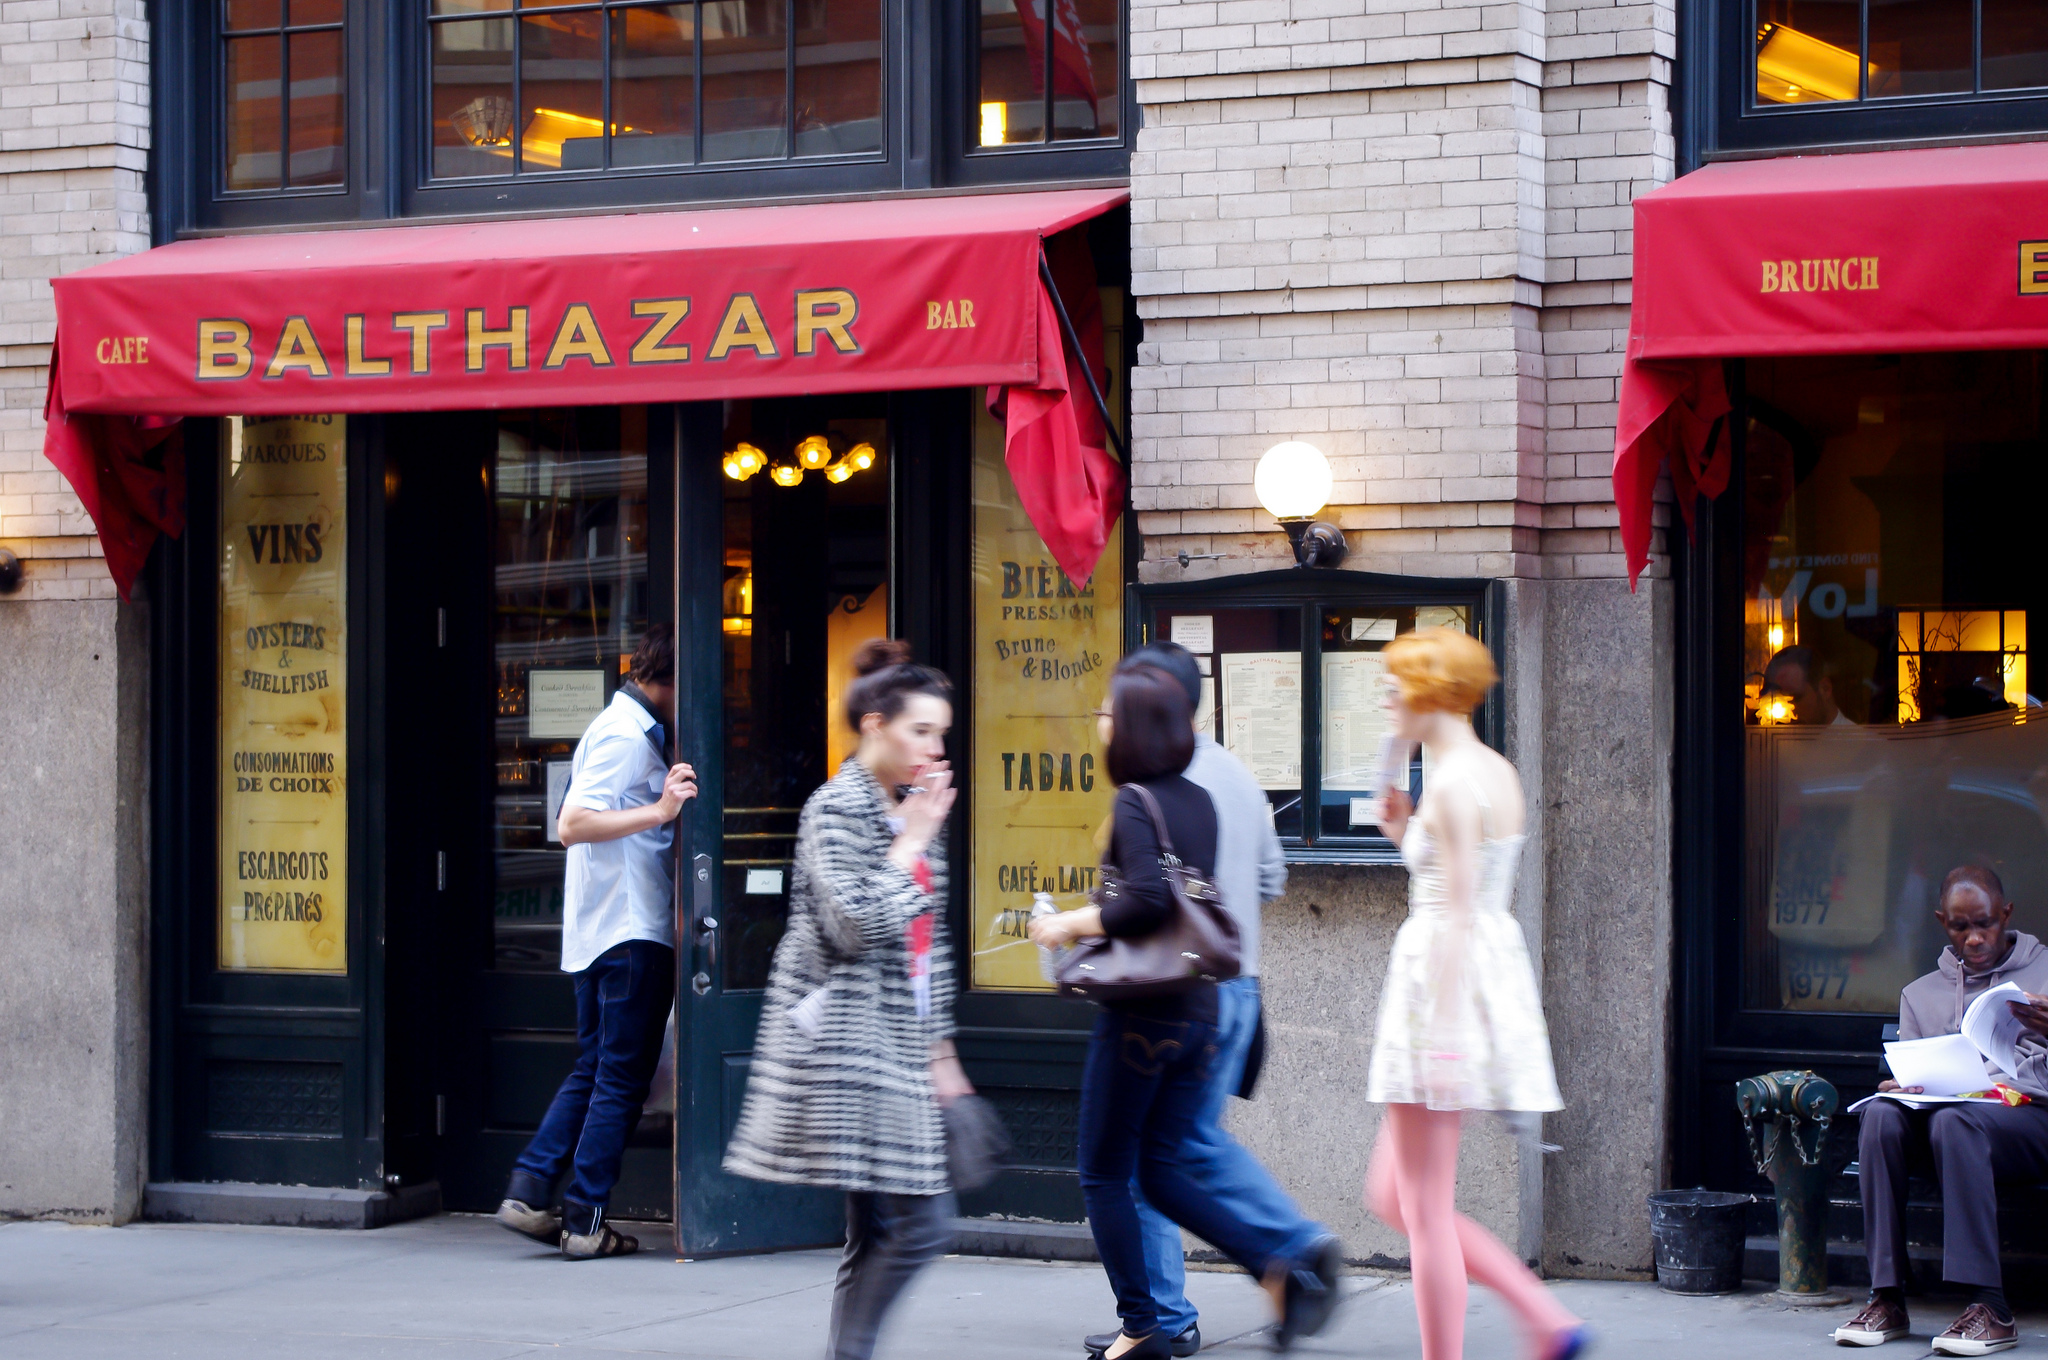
1144	1088
622	1005
1222	1170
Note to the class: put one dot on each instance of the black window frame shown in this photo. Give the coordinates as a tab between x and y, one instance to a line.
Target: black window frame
1311	590
929	135
1719	118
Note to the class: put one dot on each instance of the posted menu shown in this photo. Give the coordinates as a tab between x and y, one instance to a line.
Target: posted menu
1043	649
1262	715
284	695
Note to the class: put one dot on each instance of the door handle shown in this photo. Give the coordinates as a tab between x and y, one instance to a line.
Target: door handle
702	902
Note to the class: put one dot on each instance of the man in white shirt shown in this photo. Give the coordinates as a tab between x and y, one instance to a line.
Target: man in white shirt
618	938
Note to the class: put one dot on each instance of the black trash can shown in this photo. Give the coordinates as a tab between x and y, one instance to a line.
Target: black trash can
1698	1236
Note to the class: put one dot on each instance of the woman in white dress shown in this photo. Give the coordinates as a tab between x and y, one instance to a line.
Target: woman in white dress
1461	1025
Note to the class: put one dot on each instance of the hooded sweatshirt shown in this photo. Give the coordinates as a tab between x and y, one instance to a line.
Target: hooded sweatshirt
1934	1005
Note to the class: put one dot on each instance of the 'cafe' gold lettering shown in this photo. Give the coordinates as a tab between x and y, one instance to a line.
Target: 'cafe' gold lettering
819	320
122	349
1853	274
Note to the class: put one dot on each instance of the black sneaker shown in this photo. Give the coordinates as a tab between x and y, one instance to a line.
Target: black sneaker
1184	1345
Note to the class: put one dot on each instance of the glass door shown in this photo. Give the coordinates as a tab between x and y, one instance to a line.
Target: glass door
787	507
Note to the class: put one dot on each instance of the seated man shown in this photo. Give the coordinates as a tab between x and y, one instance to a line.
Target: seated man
1969	1148
1809	684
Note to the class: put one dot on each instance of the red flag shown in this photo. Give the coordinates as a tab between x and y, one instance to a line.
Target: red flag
128	472
1073	74
1054	441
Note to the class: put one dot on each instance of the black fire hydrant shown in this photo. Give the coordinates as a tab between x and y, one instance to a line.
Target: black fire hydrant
1786	1115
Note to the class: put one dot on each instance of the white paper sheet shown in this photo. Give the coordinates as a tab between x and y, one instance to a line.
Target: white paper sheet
1354	719
1922	1102
1990	1024
1262	715
1946	1065
1196	632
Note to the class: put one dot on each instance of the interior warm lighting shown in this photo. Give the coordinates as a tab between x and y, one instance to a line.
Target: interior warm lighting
1773	710
861	456
995	124
485	121
786	474
813	452
838	472
1798	68
541	144
1777	637
744	461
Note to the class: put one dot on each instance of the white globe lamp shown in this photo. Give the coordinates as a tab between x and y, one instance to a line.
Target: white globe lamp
1293	482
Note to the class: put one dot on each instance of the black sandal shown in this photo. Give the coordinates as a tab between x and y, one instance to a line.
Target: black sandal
606	1241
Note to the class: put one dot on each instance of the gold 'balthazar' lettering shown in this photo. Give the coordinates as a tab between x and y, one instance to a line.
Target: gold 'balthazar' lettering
223	348
653	347
743	327
480	339
296	349
1846	274
421	324
578	337
356	365
829	312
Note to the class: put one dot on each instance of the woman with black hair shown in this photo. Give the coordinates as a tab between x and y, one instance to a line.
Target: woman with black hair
855	1053
1146	1074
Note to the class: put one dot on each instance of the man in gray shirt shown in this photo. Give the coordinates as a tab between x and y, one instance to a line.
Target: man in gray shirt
1250	871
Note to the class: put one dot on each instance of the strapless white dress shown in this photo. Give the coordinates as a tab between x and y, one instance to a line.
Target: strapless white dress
1486	1047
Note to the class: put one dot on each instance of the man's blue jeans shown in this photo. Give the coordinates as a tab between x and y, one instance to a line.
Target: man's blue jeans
622	1005
1222	1170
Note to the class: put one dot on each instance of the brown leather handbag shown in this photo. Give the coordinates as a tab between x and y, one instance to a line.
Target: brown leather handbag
1198	945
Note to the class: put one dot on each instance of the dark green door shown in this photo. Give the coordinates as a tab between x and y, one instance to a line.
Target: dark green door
778	584
555	561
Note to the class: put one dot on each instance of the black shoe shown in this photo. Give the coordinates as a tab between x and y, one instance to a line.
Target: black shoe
1308	1306
1183	1346
1326	1259
1153	1347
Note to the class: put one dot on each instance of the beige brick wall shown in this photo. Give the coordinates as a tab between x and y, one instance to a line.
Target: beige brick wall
1401	230
74	142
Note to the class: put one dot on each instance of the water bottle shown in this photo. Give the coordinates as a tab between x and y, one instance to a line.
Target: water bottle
1048	960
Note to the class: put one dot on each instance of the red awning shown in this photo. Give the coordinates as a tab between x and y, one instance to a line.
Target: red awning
659	306
1882	252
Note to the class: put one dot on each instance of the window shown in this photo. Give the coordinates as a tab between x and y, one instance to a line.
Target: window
1081	48
545	88
1890	576
1294	688
1831	51
285	94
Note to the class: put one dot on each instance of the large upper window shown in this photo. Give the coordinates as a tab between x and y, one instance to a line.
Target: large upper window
1832	51
543	88
284	80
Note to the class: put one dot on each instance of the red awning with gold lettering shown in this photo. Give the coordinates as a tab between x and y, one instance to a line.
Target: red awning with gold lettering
658	306
1880	252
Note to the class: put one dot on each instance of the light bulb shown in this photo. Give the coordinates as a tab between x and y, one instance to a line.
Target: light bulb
862	456
813	452
786	474
732	470
837	473
1293	480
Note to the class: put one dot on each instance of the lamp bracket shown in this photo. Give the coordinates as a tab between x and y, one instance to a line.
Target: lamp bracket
1317	543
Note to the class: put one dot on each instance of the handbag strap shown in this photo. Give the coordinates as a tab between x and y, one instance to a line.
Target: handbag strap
1158	821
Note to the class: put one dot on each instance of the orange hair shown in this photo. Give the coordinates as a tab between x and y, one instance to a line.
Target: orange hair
1440	670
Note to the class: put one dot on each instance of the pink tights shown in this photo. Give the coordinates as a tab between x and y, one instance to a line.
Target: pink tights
1411	1187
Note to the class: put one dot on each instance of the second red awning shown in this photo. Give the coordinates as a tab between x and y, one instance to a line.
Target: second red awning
1879	252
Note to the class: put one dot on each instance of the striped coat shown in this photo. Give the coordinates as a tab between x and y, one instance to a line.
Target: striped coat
852	1109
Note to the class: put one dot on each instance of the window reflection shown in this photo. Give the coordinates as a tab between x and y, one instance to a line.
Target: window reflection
1829	51
1079	42
569	489
1919	47
1891	730
709	81
284	97
2015	44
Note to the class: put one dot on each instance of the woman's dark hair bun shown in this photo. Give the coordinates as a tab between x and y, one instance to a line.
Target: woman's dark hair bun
884	679
877	654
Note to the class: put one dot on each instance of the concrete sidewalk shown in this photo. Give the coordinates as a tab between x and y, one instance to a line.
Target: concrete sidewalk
460	1288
